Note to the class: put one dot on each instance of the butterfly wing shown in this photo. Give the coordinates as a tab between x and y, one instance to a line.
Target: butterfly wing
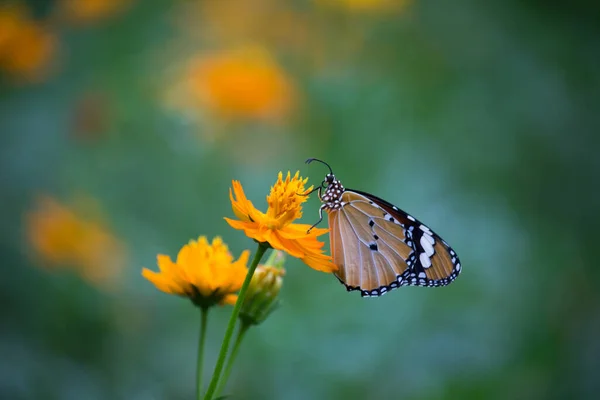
379	247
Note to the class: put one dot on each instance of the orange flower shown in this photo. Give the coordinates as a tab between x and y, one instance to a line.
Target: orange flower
26	46
62	237
206	273
276	227
89	11
245	83
369	5
12	17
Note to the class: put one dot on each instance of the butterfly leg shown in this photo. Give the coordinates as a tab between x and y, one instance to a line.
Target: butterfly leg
318	188
320	216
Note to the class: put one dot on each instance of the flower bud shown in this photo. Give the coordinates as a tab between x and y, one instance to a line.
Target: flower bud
262	296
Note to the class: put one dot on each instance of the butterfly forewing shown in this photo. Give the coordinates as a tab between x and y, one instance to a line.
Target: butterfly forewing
360	266
379	247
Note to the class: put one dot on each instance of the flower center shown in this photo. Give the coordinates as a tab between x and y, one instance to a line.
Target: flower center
285	203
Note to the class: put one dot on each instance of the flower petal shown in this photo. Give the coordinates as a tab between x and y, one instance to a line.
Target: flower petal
164	263
229	299
299	231
240	224
162	283
204	271
289	246
319	262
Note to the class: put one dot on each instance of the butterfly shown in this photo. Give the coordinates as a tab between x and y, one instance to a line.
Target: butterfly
376	246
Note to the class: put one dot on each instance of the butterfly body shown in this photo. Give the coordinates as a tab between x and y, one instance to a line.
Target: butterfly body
378	247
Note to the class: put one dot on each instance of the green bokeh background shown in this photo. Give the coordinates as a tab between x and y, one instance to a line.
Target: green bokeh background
479	118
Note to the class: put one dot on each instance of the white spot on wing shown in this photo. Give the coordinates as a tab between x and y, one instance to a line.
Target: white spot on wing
430	238
427	247
425	261
425	229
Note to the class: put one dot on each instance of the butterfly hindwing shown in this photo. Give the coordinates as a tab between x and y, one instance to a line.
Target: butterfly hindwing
379	247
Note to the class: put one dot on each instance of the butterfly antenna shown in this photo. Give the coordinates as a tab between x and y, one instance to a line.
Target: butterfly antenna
321	161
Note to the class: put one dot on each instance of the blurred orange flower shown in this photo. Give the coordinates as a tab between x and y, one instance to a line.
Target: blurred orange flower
246	83
368	5
90	11
276	227
274	23
26	45
206	273
64	238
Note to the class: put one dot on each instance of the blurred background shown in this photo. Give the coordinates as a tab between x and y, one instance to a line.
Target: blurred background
123	122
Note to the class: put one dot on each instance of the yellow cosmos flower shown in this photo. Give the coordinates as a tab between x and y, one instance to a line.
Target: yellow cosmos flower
276	226
26	45
206	273
65	237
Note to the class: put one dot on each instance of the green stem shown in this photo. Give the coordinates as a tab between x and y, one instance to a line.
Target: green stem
262	247
201	340
232	356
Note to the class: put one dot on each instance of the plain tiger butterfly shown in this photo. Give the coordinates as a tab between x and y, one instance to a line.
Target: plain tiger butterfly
376	246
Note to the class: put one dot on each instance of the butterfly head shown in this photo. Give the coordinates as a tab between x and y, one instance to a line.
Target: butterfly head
332	188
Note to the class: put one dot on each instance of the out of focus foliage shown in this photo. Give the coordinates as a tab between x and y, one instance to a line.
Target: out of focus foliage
123	123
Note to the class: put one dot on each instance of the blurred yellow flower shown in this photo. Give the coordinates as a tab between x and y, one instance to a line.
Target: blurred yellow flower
26	45
273	24
90	11
368	5
246	83
203	272
12	16
276	227
62	237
